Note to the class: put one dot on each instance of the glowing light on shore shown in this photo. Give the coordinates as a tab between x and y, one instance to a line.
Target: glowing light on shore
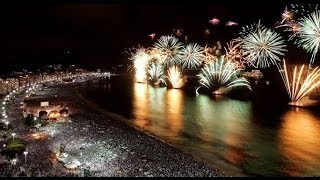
170	47
308	36
221	76
191	56
262	46
296	86
175	77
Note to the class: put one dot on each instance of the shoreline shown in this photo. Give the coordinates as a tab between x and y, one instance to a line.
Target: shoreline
109	148
236	172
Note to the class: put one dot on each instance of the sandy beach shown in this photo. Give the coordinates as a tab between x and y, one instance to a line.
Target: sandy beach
100	142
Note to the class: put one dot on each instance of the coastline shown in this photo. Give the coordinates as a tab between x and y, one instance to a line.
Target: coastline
109	148
225	171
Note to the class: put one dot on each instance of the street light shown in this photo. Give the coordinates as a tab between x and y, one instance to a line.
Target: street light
14	161
7	124
34	121
25	156
13	134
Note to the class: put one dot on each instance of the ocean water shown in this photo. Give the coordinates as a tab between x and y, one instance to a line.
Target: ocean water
258	136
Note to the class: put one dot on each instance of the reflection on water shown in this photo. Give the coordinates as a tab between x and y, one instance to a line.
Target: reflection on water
299	141
141	105
174	116
222	131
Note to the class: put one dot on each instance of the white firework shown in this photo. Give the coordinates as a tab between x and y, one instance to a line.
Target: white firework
303	10
155	72
170	47
308	36
175	77
221	76
191	56
262	47
140	61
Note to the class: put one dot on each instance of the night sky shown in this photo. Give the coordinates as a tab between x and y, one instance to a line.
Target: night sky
97	33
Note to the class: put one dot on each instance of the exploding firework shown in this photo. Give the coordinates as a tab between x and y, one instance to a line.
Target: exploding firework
152	36
221	76
288	23
155	72
303	10
156	56
191	56
247	29
308	36
170	47
262	46
214	21
175	77
287	15
296	86
178	32
231	23
234	53
212	53
140	61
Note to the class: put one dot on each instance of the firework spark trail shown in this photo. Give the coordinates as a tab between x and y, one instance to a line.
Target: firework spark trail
221	76
296	87
175	77
303	10
261	46
155	71
170	46
235	53
140	61
191	56
156	55
211	53
289	23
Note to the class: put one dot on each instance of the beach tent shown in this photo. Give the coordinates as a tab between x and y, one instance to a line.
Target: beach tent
43	115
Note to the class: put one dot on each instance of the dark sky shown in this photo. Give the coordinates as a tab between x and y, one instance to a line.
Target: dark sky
97	33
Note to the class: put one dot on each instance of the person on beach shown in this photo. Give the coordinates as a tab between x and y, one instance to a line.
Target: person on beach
62	148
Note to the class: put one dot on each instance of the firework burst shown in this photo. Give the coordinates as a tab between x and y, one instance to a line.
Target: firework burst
175	77
212	53
221	76
155	72
262	46
169	46
140	61
156	55
308	36
288	23
234	53
191	56
296	86
303	10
